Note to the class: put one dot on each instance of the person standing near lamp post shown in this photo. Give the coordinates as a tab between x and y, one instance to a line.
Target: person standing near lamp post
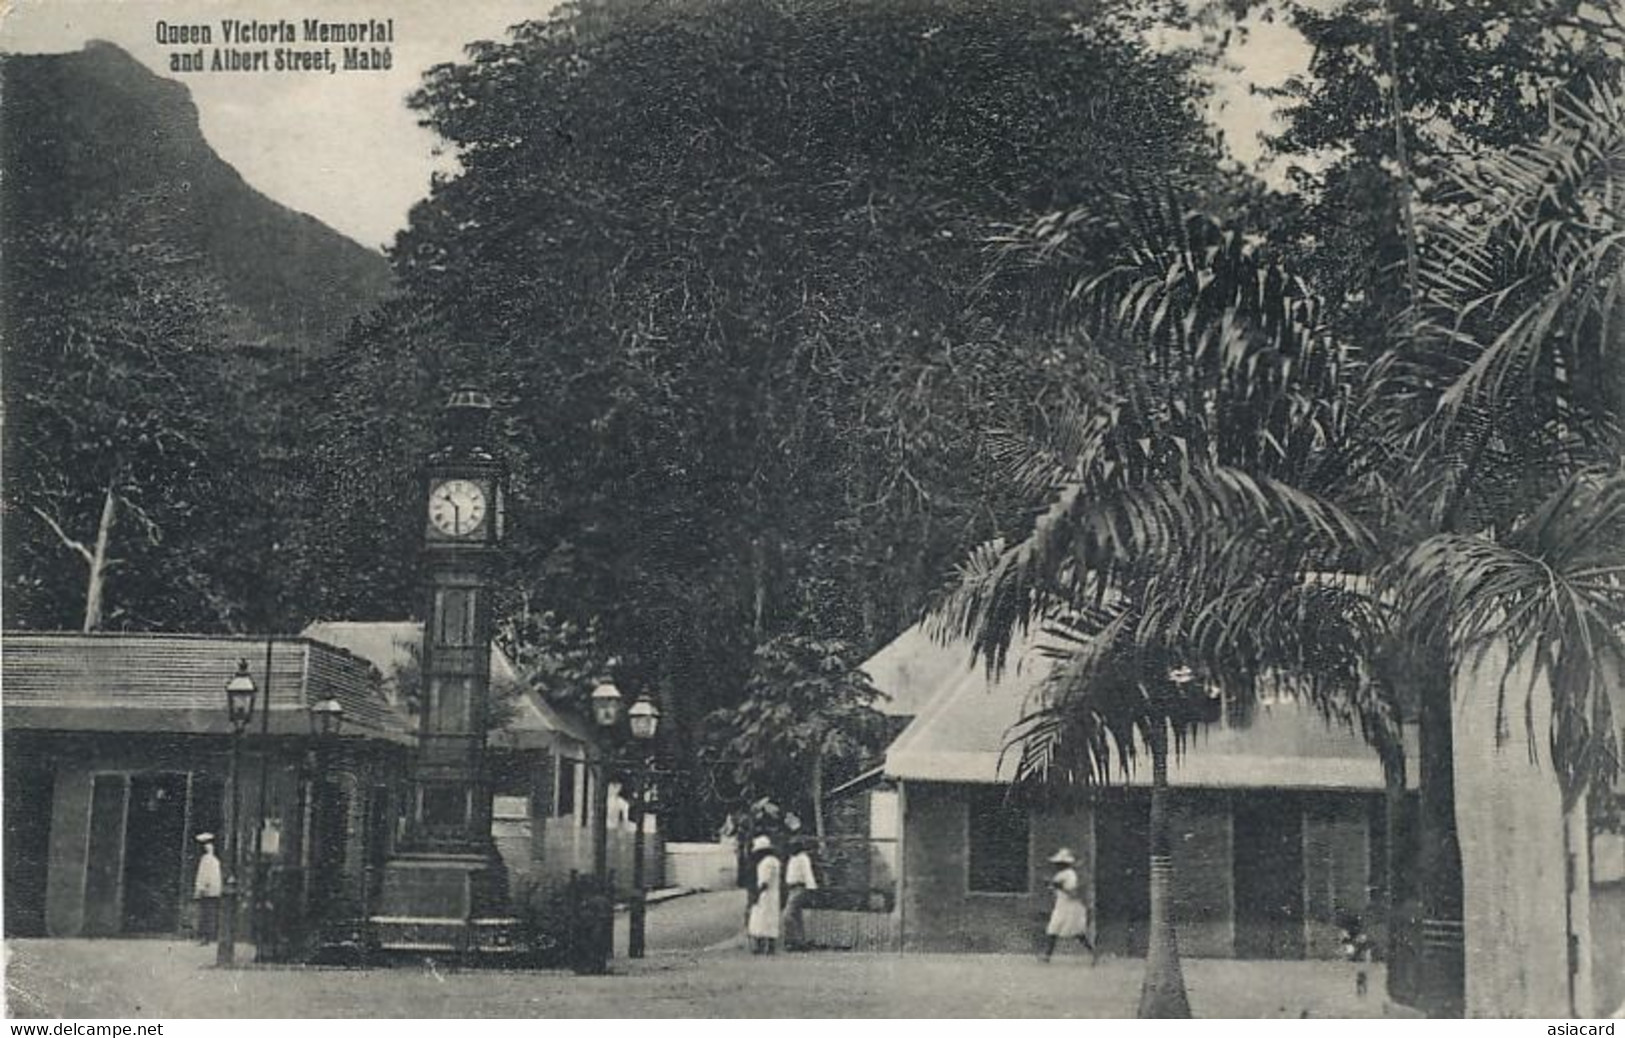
206	889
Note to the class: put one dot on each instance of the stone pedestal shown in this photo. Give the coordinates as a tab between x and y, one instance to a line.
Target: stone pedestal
446	903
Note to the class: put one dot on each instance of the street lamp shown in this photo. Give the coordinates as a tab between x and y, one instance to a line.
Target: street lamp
326	718
606	702
606	705
240	694
644	719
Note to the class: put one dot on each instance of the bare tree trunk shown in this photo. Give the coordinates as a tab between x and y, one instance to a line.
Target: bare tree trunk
758	569
98	565
1162	995
1407	213
818	798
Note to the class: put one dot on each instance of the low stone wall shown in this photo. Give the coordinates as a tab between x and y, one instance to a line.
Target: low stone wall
567	847
853	931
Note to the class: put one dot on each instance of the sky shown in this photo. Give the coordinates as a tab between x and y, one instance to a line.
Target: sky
344	148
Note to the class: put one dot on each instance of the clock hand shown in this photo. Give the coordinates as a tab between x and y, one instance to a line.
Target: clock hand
456	516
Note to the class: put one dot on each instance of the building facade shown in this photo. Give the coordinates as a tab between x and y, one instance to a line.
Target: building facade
117	755
1279	825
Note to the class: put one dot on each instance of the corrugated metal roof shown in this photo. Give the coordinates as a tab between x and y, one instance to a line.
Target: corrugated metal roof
960	737
176	682
913	668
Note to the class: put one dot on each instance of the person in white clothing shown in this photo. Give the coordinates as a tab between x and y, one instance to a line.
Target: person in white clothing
1070	918
800	882
762	926
206	890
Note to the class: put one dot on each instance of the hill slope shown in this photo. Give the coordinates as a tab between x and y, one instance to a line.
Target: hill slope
96	129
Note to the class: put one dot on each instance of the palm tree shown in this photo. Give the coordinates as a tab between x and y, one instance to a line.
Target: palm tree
1194	472
1187	514
1503	397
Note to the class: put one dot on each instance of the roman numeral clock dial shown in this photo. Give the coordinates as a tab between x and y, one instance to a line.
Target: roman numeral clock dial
457	507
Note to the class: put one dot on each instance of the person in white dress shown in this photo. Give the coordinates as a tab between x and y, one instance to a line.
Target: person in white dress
762	926
1070	917
206	889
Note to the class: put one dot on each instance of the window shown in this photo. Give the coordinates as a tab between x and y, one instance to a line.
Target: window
565	801
998	844
450	700
454	616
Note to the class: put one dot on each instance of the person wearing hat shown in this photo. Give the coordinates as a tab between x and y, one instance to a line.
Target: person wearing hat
762	926
1070	917
799	882
206	890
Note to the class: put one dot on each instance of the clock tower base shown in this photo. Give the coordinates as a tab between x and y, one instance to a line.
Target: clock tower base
446	902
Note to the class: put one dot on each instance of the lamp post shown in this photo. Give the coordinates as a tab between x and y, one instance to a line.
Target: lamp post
326	718
644	718
606	713
240	694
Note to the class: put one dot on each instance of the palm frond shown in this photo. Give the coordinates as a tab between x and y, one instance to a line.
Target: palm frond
1552	591
1524	271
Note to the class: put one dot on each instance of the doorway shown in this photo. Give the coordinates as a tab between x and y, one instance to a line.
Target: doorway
28	790
154	853
1269	876
104	860
29	784
1122	874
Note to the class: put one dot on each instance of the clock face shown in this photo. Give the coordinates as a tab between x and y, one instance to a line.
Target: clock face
457	507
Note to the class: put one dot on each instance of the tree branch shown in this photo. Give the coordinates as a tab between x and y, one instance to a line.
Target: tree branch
67	541
154	533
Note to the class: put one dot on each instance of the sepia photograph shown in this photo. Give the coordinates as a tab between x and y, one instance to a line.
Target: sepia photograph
790	509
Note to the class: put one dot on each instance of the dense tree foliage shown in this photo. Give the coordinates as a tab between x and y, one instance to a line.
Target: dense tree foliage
155	311
1393	86
723	265
116	453
807	722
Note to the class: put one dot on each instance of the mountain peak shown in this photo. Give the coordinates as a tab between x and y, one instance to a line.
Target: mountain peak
95	129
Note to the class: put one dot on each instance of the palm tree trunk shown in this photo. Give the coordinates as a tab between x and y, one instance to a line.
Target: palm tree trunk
1402	922
1583	999
1441	981
1162	995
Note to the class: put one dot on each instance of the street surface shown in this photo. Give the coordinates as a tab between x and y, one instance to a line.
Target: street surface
692	923
696	968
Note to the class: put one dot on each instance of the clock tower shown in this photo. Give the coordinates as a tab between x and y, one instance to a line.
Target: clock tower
446	887
462	529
